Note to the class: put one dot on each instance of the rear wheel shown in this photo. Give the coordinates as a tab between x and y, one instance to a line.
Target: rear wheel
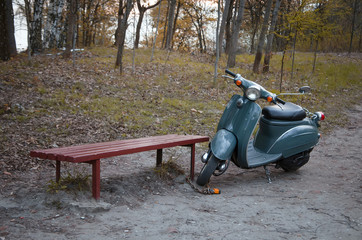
207	171
294	162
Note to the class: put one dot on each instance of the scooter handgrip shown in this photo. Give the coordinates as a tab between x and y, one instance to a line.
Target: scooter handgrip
279	100
230	72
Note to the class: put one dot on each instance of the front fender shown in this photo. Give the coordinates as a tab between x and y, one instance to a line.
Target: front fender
223	144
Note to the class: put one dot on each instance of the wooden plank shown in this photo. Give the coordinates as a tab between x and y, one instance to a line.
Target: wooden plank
130	149
48	153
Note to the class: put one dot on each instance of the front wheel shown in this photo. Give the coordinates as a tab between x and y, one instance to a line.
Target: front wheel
207	171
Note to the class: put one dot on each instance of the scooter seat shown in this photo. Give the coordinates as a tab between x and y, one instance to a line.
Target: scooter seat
288	112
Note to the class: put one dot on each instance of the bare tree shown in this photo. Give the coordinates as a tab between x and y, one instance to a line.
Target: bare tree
235	35
259	51
122	34
142	9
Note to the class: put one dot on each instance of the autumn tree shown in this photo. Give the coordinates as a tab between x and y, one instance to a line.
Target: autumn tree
253	16
199	12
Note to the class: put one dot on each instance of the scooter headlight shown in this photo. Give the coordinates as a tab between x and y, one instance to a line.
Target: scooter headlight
253	93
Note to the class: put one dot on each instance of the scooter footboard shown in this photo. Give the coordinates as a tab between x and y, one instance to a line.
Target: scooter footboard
223	144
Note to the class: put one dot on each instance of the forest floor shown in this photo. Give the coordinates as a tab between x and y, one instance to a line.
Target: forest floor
50	103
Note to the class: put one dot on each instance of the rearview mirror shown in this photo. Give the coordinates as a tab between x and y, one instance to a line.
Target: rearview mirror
304	89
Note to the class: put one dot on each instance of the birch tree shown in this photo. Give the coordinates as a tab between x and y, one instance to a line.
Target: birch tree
53	27
36	30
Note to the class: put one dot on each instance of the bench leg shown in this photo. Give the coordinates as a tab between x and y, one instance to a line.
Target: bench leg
96	178
192	164
159	158
57	171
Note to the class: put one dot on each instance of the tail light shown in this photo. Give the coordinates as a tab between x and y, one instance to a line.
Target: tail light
320	116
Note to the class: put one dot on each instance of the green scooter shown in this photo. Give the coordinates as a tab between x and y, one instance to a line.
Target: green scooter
287	133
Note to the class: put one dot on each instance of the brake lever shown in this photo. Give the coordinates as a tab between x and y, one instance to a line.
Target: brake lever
226	76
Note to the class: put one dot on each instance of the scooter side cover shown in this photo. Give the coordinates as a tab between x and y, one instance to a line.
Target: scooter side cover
286	137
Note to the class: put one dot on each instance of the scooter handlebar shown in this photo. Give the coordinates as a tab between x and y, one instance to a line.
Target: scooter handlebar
280	100
230	72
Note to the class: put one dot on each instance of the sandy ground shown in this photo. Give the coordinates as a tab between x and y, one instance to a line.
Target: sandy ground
322	200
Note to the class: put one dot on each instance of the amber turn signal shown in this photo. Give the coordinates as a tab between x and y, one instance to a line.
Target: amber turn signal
269	98
238	82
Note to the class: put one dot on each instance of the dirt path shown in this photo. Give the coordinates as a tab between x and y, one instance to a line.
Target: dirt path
320	201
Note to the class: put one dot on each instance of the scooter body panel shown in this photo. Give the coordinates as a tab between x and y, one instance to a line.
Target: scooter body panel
286	137
223	144
239	118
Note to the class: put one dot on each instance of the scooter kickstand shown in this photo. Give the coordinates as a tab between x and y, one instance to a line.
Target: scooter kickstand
267	173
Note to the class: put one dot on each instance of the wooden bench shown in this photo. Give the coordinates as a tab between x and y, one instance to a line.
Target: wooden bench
92	153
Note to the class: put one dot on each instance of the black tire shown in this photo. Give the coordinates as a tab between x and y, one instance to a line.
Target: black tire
294	162
207	171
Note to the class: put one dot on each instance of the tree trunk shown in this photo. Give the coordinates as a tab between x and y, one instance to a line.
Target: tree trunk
9	21
315	56
139	23
270	38
4	39
352	27
72	22
293	56
171	15
178	8
217	42
155	37
122	35
35	35
228	28
259	50
53	27
222	25
235	35
142	11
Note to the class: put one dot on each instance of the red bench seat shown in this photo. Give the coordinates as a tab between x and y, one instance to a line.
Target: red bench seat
92	153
